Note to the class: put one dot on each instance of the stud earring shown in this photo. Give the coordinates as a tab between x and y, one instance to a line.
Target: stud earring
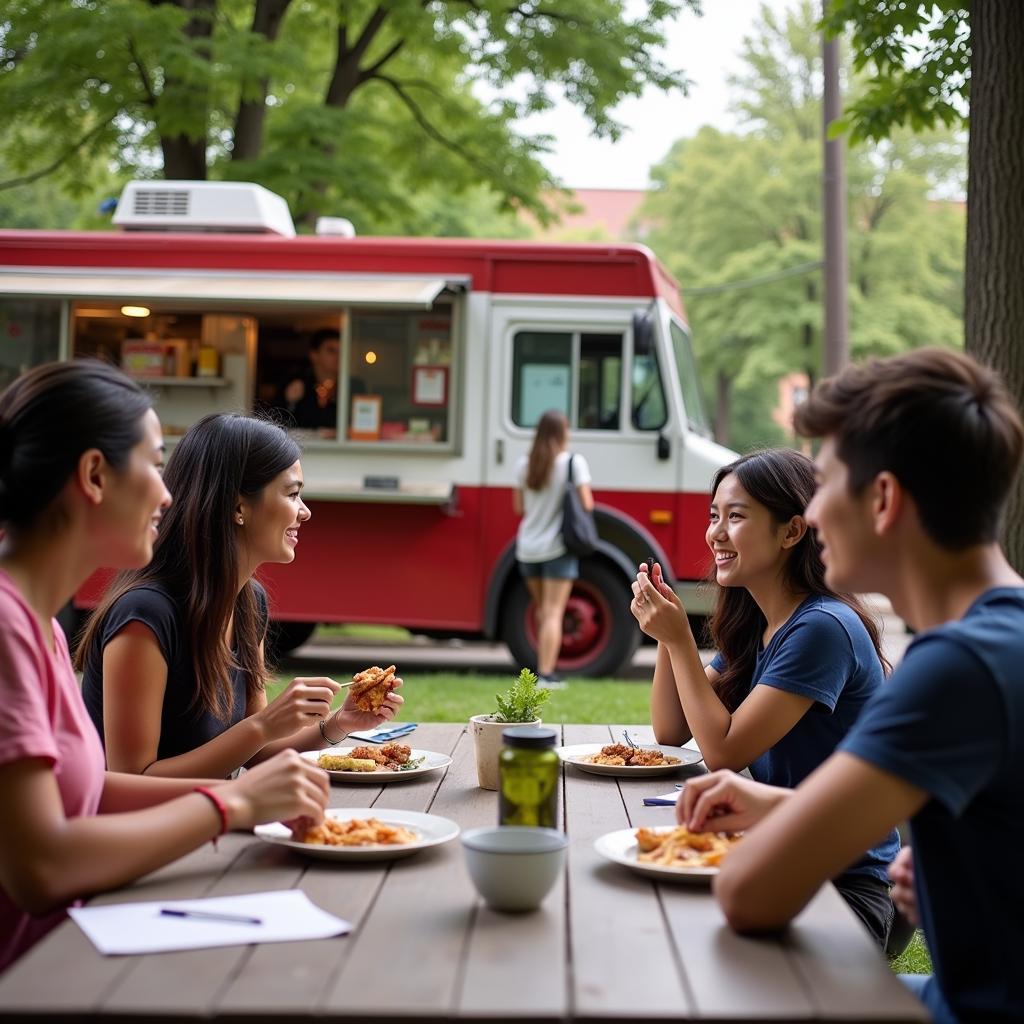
241	521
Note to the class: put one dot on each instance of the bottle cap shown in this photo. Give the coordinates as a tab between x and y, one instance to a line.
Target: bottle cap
529	736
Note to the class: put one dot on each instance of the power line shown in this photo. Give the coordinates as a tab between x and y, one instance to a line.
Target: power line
753	282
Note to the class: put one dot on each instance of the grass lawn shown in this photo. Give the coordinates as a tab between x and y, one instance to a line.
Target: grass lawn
454	697
914	959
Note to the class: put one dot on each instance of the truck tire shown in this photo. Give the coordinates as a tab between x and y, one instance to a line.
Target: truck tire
599	636
284	637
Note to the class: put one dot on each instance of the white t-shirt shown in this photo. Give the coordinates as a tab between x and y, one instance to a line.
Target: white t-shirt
540	533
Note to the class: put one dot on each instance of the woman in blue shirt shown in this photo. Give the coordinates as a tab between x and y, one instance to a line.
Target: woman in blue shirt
796	663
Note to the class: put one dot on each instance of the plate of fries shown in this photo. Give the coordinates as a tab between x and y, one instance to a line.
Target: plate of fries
363	833
390	762
669	854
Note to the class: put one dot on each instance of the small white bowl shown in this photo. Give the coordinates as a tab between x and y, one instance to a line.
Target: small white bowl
514	867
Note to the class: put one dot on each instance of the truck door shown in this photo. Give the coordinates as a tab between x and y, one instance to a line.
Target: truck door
564	356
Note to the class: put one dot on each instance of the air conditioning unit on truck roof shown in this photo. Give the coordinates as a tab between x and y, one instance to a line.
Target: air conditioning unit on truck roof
231	206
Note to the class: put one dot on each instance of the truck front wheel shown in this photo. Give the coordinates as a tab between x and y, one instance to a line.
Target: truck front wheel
599	635
284	637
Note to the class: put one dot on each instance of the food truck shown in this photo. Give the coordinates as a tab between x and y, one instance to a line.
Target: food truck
446	352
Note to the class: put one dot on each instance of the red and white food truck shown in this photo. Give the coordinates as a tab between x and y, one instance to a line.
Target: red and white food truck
450	349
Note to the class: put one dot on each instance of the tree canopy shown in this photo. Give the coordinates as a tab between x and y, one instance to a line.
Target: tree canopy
353	108
951	63
745	209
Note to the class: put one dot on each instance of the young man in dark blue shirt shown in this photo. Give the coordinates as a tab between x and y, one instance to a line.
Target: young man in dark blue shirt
919	453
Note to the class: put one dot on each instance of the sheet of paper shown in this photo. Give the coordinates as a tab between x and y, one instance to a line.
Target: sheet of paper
285	916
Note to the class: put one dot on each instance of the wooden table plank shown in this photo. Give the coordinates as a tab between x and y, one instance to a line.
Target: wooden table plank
537	985
842	968
284	976
623	964
417	929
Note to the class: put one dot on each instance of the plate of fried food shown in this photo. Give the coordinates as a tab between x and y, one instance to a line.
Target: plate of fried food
625	761
667	853
363	833
376	763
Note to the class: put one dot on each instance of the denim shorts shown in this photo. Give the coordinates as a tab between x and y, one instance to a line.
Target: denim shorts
565	567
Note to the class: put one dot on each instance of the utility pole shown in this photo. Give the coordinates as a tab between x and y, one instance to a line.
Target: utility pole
837	345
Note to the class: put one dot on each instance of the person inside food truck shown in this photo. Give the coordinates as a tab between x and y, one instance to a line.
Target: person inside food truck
172	660
311	399
920	453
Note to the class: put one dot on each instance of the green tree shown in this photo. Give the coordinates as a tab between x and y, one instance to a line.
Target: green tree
350	108
937	63
733	209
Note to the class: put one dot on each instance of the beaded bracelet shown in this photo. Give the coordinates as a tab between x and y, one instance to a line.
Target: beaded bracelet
222	811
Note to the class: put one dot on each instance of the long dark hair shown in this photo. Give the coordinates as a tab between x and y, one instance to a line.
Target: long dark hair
195	557
49	417
552	430
782	480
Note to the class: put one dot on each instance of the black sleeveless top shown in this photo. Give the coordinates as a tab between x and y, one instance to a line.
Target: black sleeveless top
183	726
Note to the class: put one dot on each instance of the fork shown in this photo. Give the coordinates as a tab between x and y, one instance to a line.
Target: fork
629	739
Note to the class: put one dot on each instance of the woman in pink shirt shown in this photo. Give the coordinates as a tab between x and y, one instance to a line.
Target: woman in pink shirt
80	488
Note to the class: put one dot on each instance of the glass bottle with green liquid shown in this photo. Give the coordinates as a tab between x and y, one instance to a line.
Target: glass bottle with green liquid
528	769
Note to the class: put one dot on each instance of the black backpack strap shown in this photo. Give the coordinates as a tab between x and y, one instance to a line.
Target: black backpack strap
569	478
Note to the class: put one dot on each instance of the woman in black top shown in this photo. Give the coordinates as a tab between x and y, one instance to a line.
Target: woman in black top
173	659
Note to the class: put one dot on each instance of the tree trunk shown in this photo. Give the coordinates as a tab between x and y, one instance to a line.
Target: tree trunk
252	113
184	158
994	273
185	154
723	408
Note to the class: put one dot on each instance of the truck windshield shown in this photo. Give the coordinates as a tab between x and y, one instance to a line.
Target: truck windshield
689	382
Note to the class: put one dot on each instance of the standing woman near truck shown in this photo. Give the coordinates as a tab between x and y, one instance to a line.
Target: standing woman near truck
544	563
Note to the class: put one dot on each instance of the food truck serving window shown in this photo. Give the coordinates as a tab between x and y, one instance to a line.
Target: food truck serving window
398	376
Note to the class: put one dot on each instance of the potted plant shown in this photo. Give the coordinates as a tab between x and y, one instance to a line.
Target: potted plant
520	705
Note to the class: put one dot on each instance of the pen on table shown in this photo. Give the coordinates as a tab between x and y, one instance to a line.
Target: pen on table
209	915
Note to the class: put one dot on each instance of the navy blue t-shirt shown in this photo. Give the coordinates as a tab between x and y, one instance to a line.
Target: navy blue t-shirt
822	652
183	725
951	722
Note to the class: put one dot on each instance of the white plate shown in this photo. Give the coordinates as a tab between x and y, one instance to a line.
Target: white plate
432	762
573	754
430	829
621	847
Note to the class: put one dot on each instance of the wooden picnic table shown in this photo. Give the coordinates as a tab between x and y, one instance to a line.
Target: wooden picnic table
607	945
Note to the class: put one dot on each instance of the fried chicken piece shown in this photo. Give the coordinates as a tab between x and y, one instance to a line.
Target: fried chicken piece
371	687
397	752
617	750
390	757
605	759
641	758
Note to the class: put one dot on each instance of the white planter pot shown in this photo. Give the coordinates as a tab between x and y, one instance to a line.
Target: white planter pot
487	745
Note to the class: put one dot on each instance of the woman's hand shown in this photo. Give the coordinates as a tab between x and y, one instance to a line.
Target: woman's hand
723	801
304	702
657	608
282	788
348	718
904	894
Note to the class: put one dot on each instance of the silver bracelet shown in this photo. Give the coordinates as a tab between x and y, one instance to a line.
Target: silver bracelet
326	738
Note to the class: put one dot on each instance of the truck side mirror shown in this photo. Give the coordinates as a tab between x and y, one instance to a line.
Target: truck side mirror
643	334
664	447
